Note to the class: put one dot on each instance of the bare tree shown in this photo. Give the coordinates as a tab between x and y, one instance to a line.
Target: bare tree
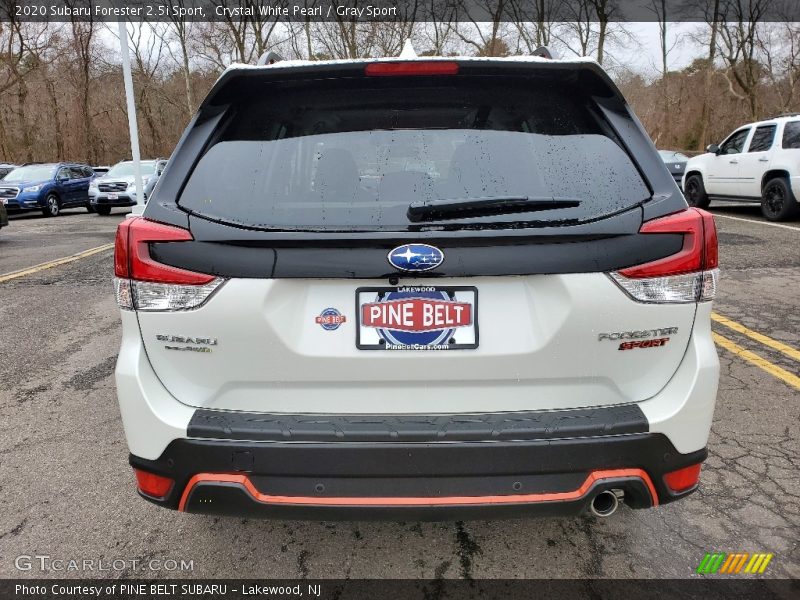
534	20
73	70
439	26
738	46
779	45
182	31
713	18
21	44
483	28
148	50
578	33
659	9
81	46
345	37
239	38
300	34
45	58
391	35
605	11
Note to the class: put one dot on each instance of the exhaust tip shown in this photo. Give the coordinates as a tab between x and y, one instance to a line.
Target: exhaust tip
604	504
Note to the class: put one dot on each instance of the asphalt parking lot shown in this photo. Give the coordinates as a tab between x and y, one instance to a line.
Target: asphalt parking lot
68	492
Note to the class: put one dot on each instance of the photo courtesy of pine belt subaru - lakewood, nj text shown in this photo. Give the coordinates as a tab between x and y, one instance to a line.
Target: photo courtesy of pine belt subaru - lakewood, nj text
416	289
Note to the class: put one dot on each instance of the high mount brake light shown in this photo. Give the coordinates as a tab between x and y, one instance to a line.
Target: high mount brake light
434	67
144	284
690	275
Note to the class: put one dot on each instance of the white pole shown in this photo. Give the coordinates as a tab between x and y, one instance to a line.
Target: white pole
133	128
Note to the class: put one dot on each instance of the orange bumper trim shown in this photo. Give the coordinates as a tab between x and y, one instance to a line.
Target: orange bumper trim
244	481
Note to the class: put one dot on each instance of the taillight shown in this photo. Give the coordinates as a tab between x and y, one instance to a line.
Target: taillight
689	275
433	67
144	284
150	484
683	479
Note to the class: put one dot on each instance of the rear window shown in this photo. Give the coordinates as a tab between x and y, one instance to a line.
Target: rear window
791	134
128	169
353	154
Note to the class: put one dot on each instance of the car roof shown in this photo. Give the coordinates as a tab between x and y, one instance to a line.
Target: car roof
49	164
773	121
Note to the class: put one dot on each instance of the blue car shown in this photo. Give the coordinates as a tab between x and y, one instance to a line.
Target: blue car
48	187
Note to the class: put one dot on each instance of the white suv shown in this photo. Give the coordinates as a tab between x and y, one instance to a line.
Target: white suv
416	288
759	162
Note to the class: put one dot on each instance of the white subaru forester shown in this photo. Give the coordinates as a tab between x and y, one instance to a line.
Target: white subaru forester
416	288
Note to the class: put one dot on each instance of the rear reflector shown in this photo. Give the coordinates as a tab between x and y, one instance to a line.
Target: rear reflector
689	275
144	284
438	67
150	484
683	479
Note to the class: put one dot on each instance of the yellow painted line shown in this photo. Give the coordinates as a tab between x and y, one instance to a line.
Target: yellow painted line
759	337
762	363
54	263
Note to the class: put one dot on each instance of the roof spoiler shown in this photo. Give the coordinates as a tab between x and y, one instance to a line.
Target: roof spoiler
241	82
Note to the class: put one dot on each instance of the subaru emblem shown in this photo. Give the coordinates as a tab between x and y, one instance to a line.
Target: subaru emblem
415	257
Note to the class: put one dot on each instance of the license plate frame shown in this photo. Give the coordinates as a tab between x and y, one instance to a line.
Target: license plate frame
366	335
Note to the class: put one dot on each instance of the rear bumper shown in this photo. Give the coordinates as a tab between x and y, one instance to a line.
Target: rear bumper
436	481
272	465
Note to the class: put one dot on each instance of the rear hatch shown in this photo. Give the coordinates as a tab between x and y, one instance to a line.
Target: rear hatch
392	240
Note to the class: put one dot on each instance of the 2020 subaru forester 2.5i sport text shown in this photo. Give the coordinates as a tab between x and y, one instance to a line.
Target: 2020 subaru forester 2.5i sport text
431	288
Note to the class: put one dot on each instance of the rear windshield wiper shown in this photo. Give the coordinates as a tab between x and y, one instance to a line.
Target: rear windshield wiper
455	208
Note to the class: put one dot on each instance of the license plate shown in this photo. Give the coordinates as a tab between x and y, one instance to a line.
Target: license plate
113	196
417	318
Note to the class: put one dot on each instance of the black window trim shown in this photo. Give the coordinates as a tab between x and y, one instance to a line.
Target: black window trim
783	135
747	128
773	126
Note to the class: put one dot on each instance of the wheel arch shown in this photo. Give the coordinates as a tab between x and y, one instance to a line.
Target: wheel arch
54	191
695	171
772	174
